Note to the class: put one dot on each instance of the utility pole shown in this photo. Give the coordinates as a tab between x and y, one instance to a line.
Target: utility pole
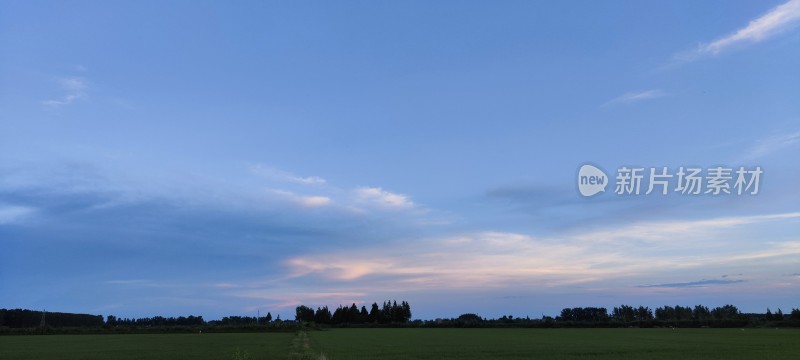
42	323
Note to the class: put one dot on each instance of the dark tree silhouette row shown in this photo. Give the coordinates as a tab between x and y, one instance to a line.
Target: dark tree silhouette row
21	318
626	315
242	320
156	321
389	313
394	314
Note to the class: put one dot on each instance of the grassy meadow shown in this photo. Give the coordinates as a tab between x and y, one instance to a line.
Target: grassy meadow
418	344
147	346
557	343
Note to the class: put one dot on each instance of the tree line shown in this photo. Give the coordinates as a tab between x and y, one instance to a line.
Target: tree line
392	313
155	321
389	313
21	318
243	320
698	315
630	316
627	313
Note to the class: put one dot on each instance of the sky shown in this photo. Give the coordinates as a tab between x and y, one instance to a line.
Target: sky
225	158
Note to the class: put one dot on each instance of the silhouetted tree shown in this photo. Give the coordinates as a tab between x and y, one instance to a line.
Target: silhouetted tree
623	313
304	313
323	315
701	312
644	314
406	311
374	313
727	312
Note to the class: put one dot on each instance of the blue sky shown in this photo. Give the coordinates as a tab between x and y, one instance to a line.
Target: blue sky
216	158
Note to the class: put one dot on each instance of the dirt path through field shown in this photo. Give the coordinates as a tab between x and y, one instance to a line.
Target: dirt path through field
302	350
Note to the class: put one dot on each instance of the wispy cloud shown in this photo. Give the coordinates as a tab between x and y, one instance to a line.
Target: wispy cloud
75	88
280	175
700	283
383	198
772	144
774	22
336	269
480	260
678	229
360	199
304	200
10	214
502	259
633	97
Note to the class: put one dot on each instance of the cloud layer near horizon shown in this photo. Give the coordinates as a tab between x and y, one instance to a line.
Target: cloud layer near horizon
332	267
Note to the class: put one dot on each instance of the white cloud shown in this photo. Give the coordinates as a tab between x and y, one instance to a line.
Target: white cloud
774	22
10	214
676	231
314	201
626	256
309	180
341	270
479	260
280	175
75	88
633	97
771	144
383	198
304	201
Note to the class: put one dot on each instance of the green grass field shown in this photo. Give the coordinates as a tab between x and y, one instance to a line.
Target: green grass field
148	346
419	344
558	343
